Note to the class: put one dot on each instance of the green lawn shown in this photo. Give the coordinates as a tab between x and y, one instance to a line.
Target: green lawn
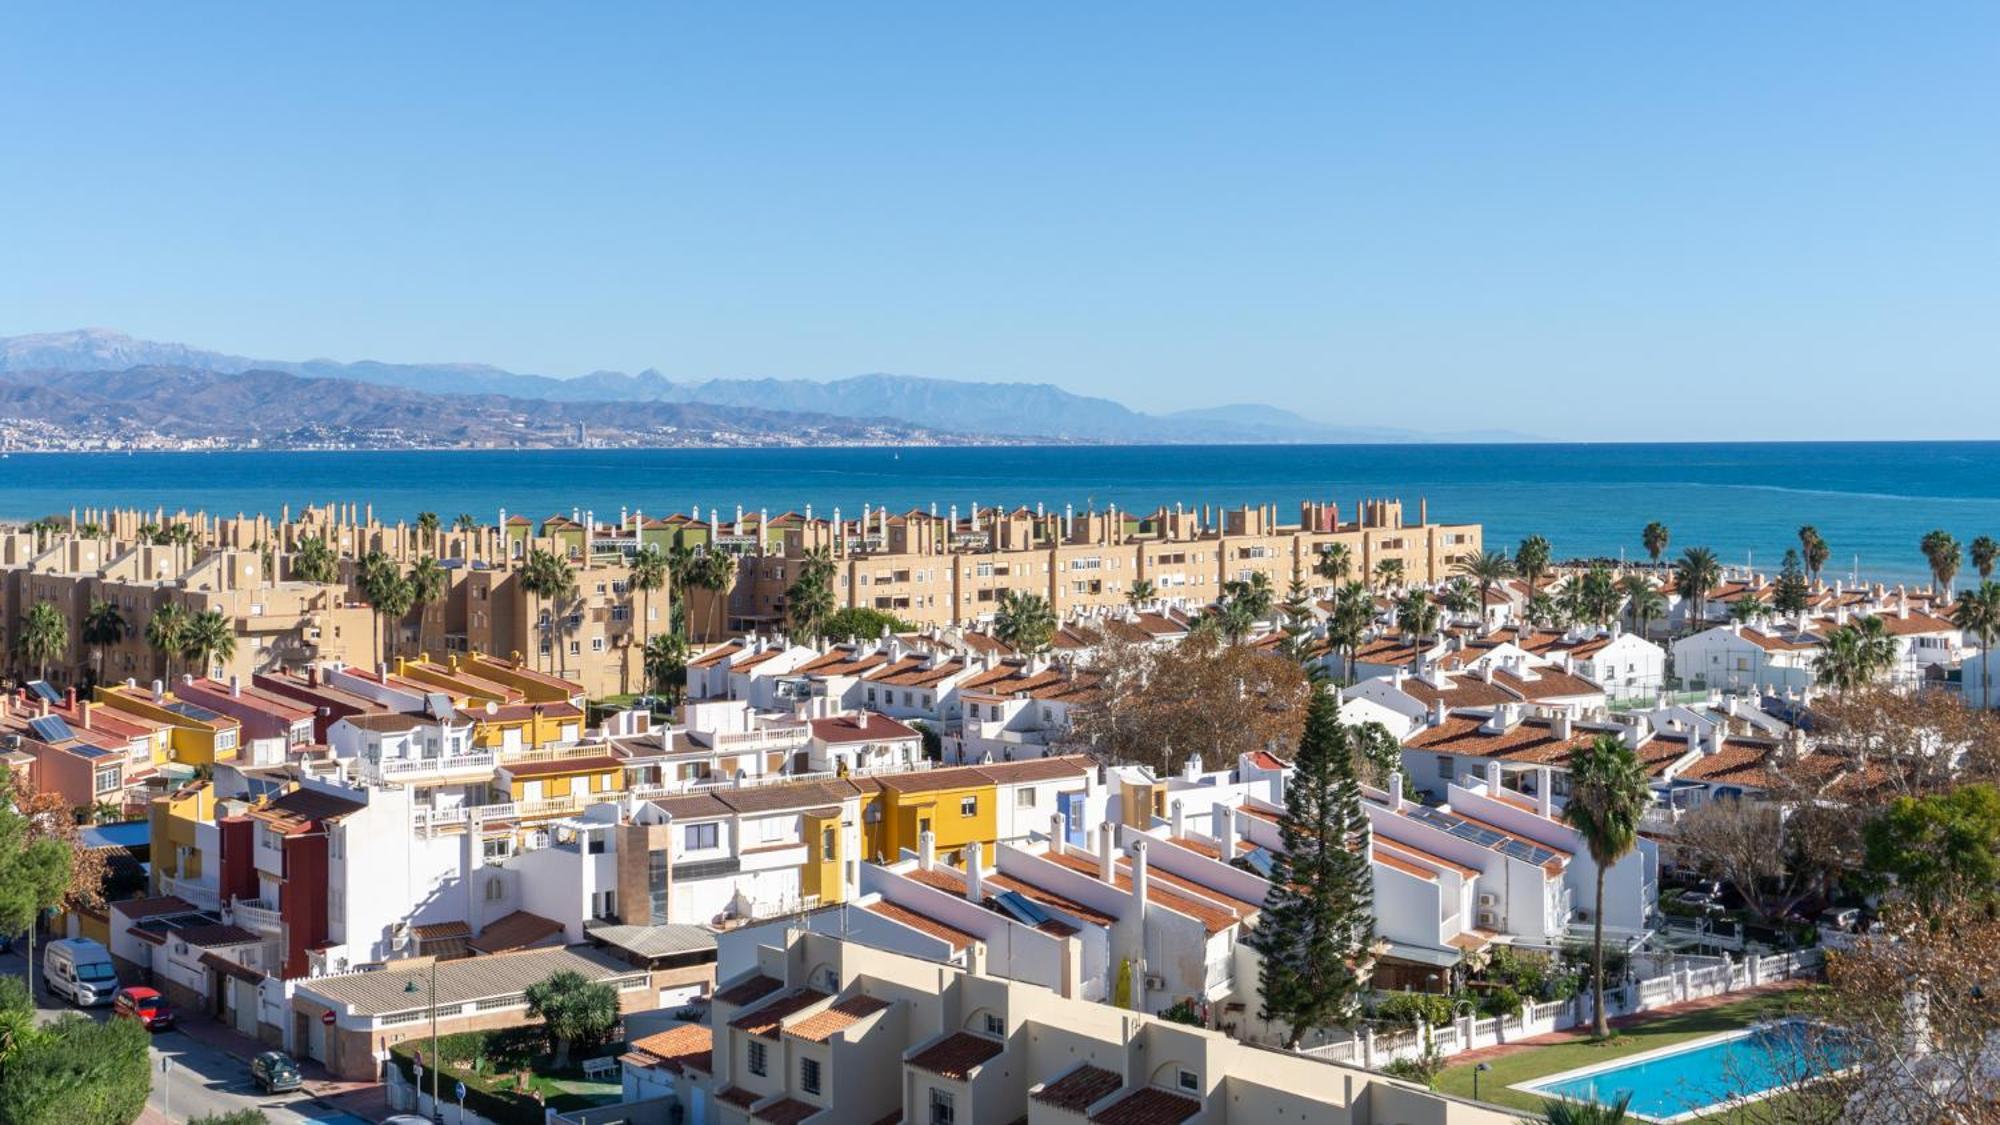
1534	1062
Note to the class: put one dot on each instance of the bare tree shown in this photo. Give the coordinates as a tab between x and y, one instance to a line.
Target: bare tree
1202	697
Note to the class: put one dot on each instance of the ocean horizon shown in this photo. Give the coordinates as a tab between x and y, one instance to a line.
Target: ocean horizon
1872	501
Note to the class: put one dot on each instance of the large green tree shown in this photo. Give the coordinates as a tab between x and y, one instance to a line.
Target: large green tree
104	625
1024	622
210	636
1488	569
77	1071
166	633
1813	550
862	622
1939	847
1532	559
1318	922
35	867
1977	612
809	600
1941	552
44	637
1607	796
1695	575
646	571
575	1011
1655	538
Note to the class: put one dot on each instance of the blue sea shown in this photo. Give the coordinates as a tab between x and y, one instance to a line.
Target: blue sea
1871	501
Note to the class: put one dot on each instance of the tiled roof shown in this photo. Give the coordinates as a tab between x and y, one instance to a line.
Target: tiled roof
956	1055
300	809
840	729
958	939
789	1111
1080	1088
1148	1105
1530	740
1741	761
518	930
1547	683
999	773
471	978
821	1026
597	764
737	1096
749	990
1214	918
764	1020
1465	691
137	908
676	1049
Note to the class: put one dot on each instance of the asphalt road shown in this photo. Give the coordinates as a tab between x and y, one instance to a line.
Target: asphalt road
192	1079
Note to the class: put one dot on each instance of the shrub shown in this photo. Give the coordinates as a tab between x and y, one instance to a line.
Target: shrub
1423	1070
1500	1001
1414	1007
76	1071
240	1117
1182	1012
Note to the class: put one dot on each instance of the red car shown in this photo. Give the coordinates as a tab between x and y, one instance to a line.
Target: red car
145	1005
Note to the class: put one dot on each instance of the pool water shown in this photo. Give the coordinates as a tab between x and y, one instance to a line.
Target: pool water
1691	1078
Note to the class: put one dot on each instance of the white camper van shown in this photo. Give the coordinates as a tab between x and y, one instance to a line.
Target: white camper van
79	969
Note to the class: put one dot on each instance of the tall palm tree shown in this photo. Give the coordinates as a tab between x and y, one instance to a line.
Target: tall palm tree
666	657
314	561
1643	602
104	624
1531	559
1254	593
1347	626
1598	595
1140	592
546	576
1417	614
1941	552
1389	572
1978	613
1024	622
1855	655
1985	552
646	571
44	637
1655	537
680	566
464	521
166	633
1748	608
1695	575
426	582
381	582
1456	596
809	599
1813	550
1334	563
428	524
210	637
713	571
1488	569
1607	795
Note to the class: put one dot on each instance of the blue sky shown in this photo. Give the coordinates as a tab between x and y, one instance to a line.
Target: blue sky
1674	221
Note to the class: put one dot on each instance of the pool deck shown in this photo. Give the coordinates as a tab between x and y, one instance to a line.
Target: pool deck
1636	1019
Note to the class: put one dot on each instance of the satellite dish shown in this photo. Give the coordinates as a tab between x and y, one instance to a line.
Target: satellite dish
492	708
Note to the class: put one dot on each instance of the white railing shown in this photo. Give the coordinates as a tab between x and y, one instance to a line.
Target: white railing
397	768
558	753
256	915
193	893
772	738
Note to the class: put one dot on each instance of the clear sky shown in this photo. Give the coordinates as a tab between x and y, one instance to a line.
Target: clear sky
1724	220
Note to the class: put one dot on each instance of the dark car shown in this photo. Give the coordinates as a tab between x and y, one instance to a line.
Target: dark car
275	1072
145	1005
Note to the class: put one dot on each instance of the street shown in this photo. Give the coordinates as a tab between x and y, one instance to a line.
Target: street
193	1078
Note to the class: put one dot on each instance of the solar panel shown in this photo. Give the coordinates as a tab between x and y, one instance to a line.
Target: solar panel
44	690
88	750
1259	860
192	711
1022	908
439	704
1484	837
51	728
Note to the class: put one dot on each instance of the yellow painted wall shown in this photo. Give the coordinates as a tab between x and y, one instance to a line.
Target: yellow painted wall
821	873
951	829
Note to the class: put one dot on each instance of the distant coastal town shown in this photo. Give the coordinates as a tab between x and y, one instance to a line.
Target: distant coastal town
747	776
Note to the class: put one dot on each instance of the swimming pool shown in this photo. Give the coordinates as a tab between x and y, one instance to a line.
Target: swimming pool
1679	1082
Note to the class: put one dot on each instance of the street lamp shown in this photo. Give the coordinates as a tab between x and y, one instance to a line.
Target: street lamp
437	1064
1478	1070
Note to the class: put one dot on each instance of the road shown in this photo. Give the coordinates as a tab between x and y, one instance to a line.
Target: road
193	1079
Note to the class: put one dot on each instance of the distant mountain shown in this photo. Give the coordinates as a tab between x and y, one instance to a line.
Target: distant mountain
1017	410
280	409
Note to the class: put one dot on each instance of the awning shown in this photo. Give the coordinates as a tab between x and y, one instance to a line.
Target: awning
1423	955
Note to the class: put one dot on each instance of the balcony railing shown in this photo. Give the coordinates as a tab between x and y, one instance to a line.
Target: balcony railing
506	810
768	738
195	894
558	753
403	769
256	915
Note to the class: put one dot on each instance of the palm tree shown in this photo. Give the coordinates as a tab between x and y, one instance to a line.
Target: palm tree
680	566
1389	572
464	521
427	523
314	561
166	633
1558	1111
713	571
1607	795
1140	593
1855	655
1254	593
103	624
210	637
426	583
1531	559
1417	614
1655	538
1232	620
1487	569
1748	608
1597	595
809	600
1347	627
1978	613
666	657
1695	575
1813	550
646	571
1941	551
44	637
1024	622
379	581
546	577
1643	602
1456	596
1334	563
1985	552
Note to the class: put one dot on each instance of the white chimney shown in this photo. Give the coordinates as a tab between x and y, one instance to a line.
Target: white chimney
973	859
1225	832
1559	727
1545	797
1057	845
926	850
1139	876
235	687
1177	820
1105	851
1395	785
1492	778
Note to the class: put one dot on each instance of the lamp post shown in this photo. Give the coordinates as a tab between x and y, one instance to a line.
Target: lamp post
437	1064
1478	1070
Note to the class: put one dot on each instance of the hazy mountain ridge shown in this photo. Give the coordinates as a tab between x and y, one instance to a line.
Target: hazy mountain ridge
1016	410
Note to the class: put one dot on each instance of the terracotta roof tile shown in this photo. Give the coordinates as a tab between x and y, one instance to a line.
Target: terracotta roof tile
518	930
821	1026
749	990
764	1020
1148	1105
1080	1088
956	1055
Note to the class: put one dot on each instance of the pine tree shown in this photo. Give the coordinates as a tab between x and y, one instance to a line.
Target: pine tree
1318	920
1299	643
1793	595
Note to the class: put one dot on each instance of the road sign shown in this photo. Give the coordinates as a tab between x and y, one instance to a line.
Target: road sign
326	1018
461	1093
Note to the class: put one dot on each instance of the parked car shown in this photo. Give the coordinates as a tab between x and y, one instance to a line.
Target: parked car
275	1072
79	970
145	1005
1847	918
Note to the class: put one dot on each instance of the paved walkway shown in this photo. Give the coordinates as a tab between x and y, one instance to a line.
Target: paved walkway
1584	1031
366	1100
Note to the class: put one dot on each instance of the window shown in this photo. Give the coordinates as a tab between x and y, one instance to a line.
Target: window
771	828
923	825
758	1063
495	890
968	806
943	1111
1444	767
697	837
1189	1080
1024	797
809	1075
826	844
104	781
995	1026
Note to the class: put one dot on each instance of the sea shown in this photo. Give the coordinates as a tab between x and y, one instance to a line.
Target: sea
1872	502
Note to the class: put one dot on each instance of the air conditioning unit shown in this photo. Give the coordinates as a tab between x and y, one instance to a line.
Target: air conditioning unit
1487	920
1155	983
1488	898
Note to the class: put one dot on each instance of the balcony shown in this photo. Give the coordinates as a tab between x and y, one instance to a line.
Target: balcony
767	738
558	753
193	892
257	914
418	769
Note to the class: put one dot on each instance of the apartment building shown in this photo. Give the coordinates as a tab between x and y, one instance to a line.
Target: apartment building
827	1030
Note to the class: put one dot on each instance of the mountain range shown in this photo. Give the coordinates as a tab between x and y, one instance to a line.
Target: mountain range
1018	411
